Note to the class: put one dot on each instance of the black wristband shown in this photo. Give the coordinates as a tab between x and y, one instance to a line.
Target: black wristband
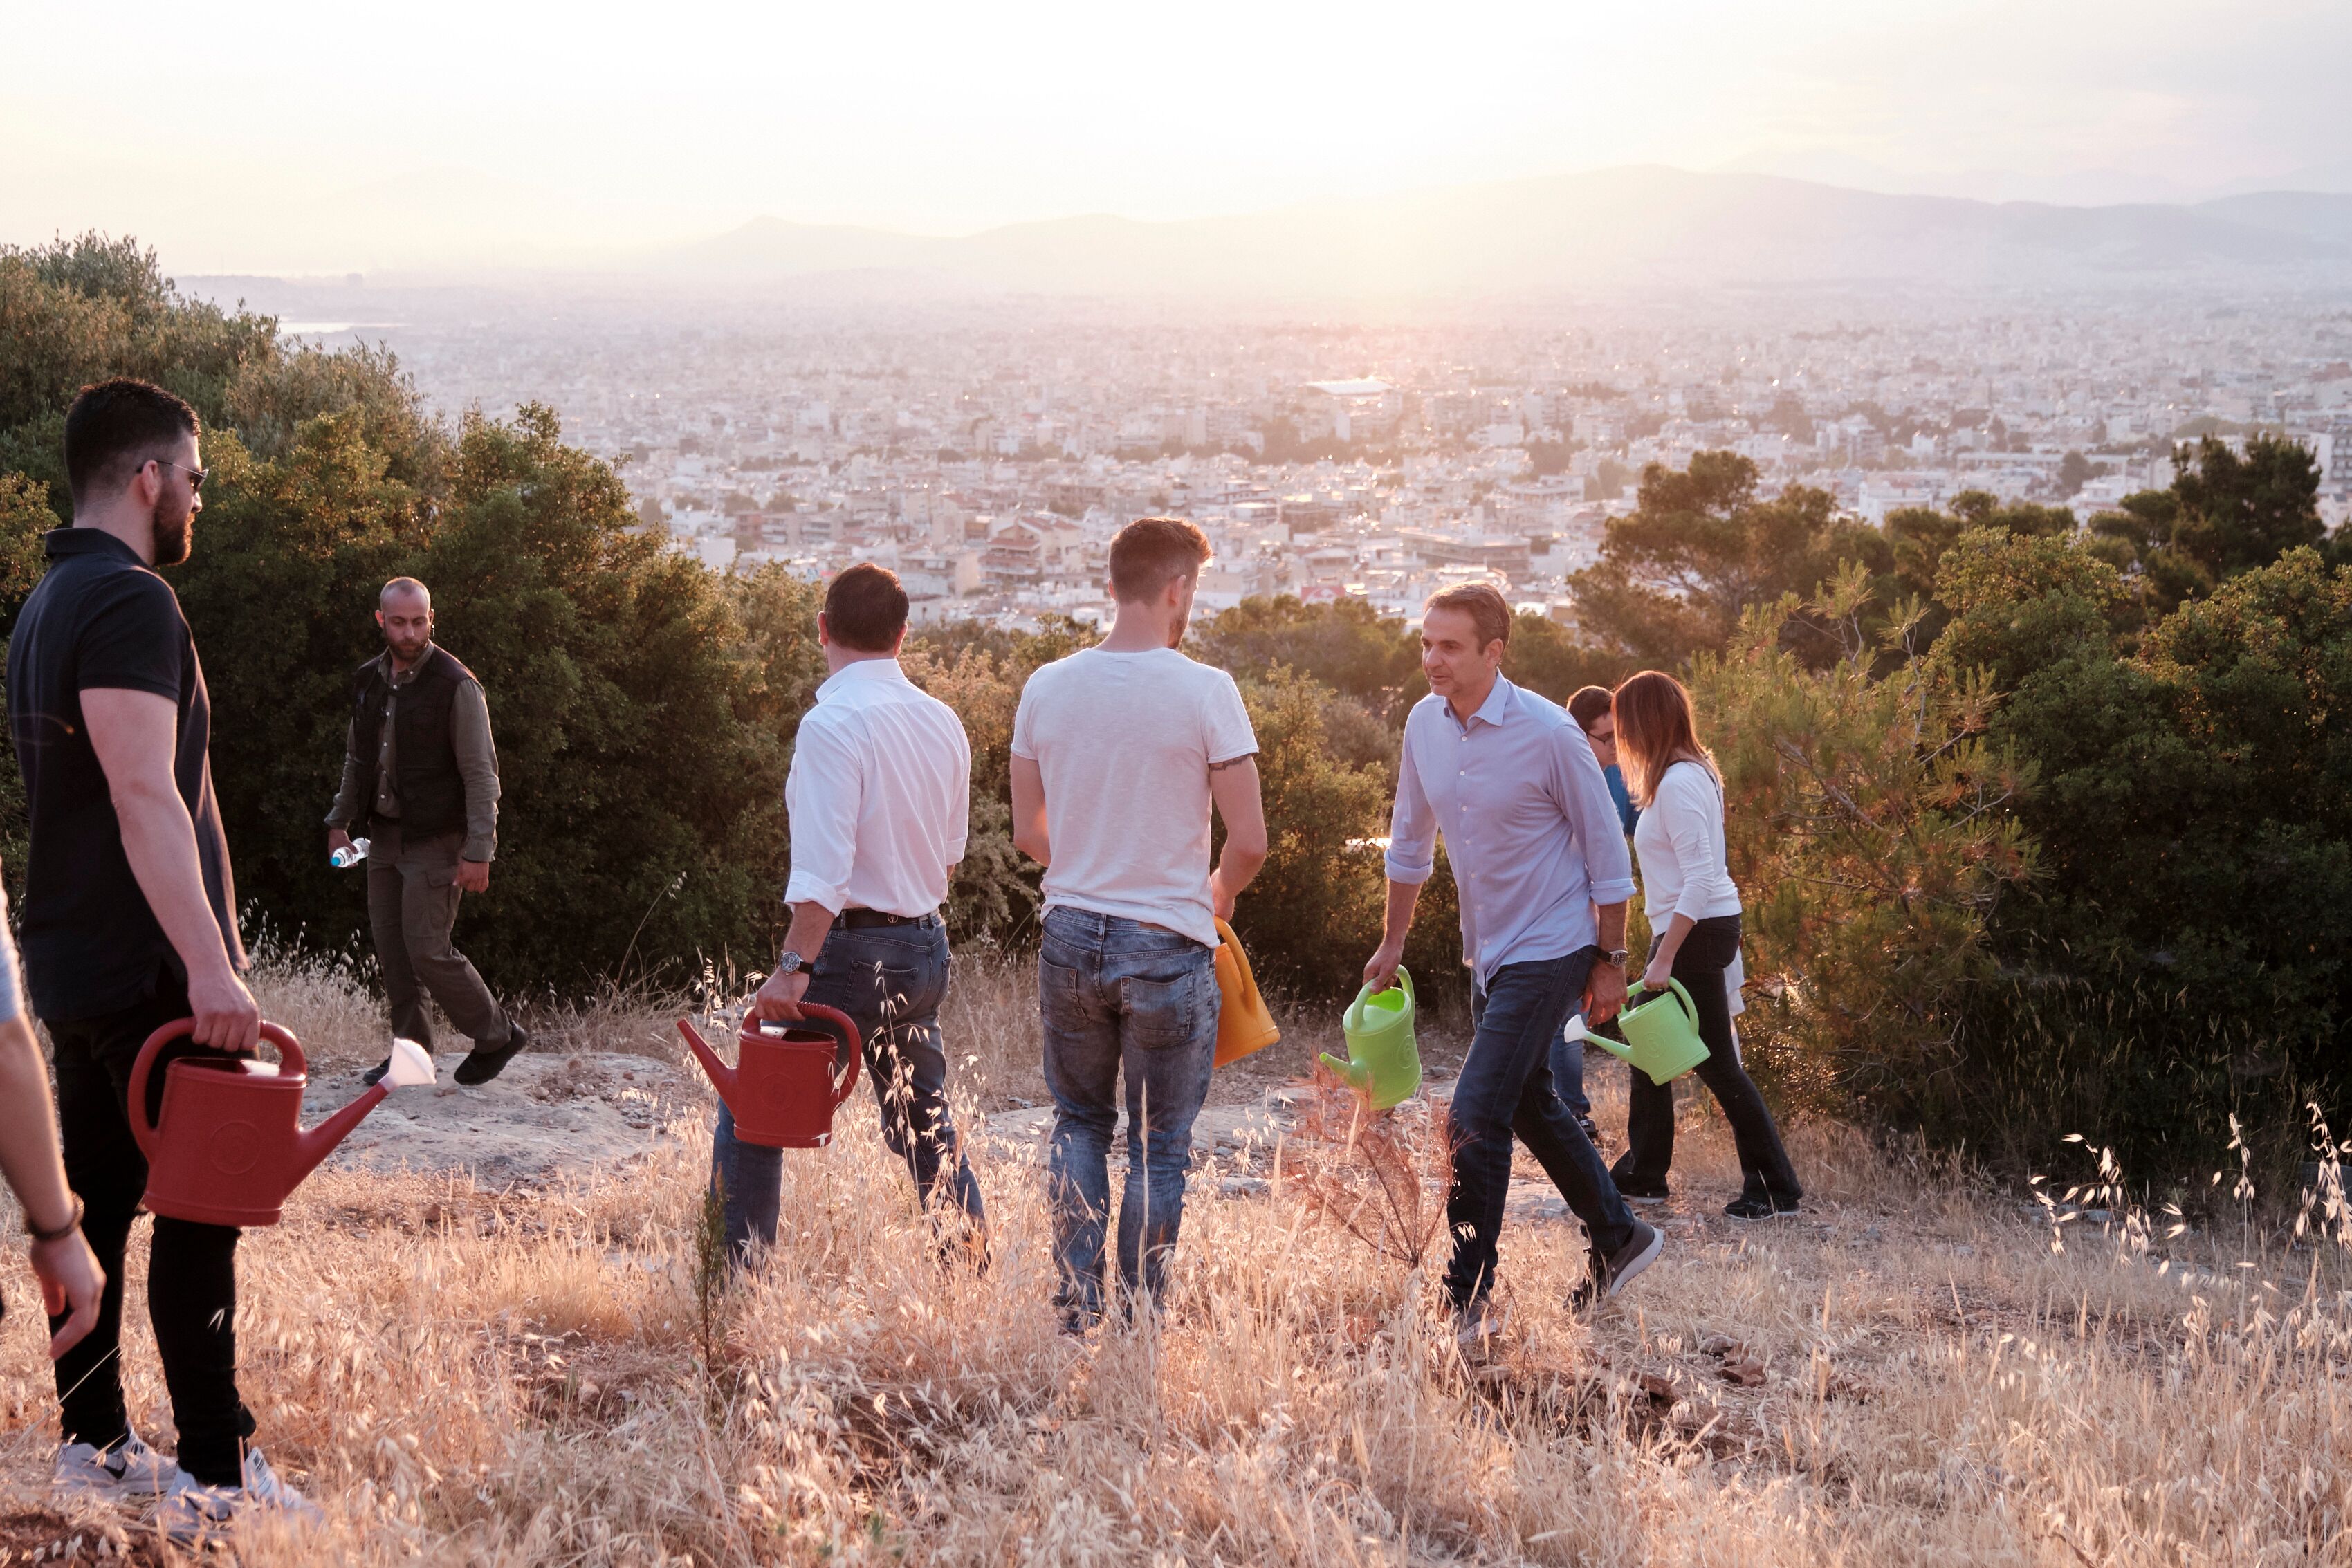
72	1224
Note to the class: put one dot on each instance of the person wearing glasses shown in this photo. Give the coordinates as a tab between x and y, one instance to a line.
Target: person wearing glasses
129	924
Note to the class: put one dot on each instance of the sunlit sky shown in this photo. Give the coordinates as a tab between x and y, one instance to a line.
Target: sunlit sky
687	116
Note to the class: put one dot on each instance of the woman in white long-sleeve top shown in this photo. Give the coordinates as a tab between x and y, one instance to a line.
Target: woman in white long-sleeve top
1694	910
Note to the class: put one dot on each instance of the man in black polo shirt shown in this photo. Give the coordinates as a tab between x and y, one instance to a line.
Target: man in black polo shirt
128	924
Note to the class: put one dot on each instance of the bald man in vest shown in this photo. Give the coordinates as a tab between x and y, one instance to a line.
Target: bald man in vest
421	785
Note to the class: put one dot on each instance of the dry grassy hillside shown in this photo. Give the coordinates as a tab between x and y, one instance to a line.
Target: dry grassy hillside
1907	1373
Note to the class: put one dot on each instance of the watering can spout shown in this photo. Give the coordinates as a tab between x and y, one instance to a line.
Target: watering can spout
1576	1031
722	1077
315	1145
784	1087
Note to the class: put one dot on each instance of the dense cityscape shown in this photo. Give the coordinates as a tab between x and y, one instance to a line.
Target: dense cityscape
987	452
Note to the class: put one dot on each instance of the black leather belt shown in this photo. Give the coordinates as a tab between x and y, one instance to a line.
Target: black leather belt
860	919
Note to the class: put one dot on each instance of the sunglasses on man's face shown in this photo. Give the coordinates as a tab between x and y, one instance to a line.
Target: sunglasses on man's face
196	477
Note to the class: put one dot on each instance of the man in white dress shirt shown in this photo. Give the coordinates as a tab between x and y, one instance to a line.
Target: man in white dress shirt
878	797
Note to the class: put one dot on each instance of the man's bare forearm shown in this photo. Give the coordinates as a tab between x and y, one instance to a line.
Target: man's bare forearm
1613	926
1396	920
812	923
160	842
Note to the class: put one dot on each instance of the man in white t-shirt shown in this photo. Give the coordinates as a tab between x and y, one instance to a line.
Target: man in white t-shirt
1118	752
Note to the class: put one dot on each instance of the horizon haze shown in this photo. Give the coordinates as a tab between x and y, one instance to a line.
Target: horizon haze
286	141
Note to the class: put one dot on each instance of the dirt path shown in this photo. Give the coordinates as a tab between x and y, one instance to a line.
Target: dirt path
545	1111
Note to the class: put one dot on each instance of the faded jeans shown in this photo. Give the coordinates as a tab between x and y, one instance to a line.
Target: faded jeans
891	981
1121	996
1505	1089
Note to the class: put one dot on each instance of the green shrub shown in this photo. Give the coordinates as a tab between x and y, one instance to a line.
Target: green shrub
1871	832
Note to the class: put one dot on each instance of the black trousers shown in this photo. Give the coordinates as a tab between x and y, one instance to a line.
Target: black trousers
191	1269
1764	1168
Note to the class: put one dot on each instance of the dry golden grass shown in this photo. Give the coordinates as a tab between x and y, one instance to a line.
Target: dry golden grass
1908	1373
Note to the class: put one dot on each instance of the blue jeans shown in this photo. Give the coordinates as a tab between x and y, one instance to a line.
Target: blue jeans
1505	1089
890	980
1568	1081
1120	994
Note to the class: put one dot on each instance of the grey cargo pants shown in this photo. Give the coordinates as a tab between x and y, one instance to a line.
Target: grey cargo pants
412	905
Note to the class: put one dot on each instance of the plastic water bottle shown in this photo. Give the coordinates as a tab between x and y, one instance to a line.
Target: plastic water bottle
349	855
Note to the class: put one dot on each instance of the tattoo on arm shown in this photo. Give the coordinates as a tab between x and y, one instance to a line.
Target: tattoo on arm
1232	762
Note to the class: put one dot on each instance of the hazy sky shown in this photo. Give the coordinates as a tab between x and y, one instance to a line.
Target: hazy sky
691	114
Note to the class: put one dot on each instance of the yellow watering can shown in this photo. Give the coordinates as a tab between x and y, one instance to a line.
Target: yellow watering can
1381	1055
1661	1034
1243	1024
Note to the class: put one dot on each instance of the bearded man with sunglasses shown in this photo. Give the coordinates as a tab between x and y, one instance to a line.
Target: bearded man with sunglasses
129	924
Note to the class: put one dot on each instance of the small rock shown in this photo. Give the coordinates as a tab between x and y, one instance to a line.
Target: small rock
1658	1386
1745	1371
1241	1187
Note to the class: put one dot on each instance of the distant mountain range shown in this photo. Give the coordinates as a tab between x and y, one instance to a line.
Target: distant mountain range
1611	229
1615	227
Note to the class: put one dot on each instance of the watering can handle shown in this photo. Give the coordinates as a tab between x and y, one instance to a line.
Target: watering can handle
848	1081
1690	1009
1404	982
288	1048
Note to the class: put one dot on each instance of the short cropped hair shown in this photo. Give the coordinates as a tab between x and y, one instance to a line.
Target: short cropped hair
864	608
1484	606
115	425
1590	706
409	585
1151	552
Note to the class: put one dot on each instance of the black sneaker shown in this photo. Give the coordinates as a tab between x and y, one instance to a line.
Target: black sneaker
1635	1191
1756	1206
374	1076
1611	1273
485	1062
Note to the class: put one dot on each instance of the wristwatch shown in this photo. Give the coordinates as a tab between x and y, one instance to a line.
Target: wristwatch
1617	956
788	962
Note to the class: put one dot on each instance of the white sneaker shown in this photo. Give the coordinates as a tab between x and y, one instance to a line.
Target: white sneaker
130	1469
191	1509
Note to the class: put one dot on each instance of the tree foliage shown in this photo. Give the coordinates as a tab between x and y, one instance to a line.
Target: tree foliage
1700	549
1872	831
2186	959
2224	514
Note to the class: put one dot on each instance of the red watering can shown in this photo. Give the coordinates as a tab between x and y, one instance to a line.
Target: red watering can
229	1146
784	1094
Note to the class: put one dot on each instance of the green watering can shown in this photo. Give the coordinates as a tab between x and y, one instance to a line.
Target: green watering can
1662	1034
1382	1056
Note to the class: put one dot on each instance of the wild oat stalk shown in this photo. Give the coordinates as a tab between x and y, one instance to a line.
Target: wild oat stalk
710	1282
1379	1176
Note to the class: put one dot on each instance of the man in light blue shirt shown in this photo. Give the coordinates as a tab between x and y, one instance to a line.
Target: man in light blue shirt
1540	868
